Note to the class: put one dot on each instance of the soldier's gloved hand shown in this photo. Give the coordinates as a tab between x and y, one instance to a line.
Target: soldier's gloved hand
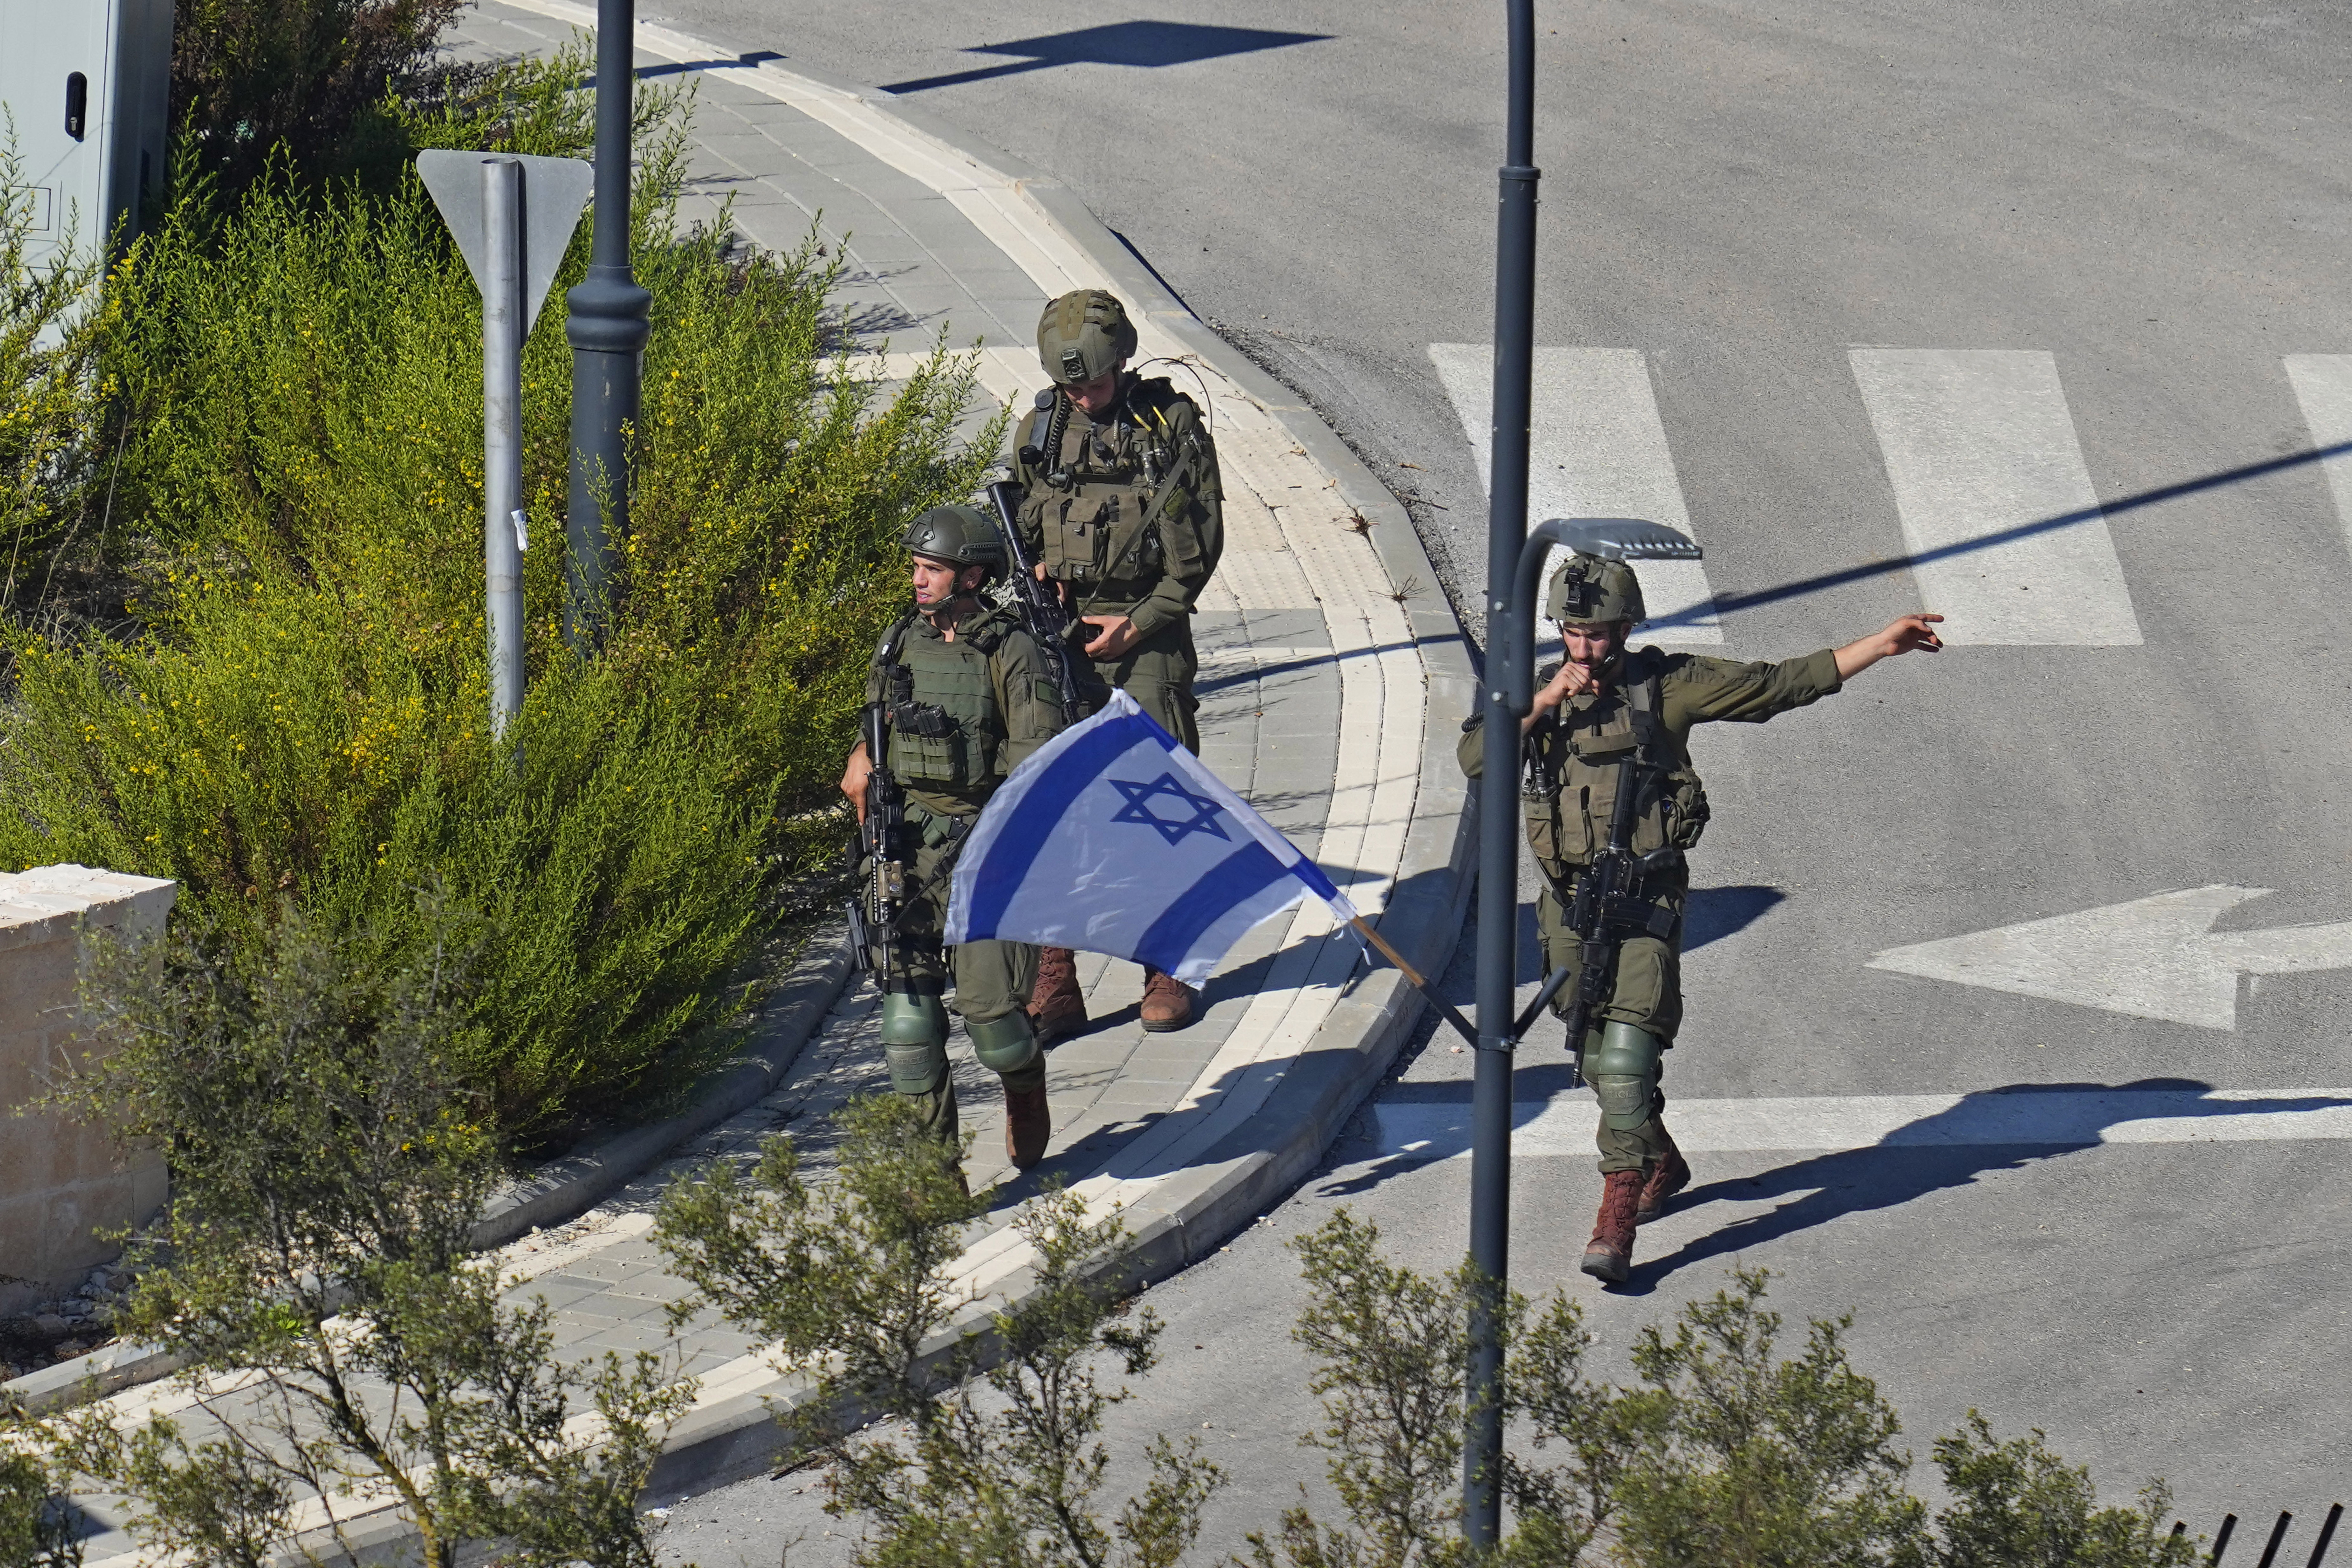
1114	636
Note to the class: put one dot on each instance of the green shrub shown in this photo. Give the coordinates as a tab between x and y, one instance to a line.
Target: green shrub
53	320
299	380
250	77
1725	1451
997	1461
2018	1505
34	1531
1746	1459
314	1277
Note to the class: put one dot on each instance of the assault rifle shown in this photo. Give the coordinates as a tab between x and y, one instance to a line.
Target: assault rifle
1042	615
874	913
1607	908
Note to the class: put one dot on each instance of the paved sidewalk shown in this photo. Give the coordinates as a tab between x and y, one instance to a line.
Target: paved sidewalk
1332	675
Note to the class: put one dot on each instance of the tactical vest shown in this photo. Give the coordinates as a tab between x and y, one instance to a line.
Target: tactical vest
1104	493
939	700
1569	790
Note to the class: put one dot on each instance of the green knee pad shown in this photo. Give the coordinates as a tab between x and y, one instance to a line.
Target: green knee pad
915	1041
1624	1075
1004	1045
912	1018
916	1069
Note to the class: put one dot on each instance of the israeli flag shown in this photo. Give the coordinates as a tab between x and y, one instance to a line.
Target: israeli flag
1113	839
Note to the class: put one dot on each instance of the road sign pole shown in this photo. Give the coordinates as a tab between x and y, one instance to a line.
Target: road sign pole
608	328
512	218
503	314
1498	789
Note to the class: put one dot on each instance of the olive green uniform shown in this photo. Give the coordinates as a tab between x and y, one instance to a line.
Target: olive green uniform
960	716
1128	512
1569	795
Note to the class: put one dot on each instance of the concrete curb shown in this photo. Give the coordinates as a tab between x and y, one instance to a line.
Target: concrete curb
559	1190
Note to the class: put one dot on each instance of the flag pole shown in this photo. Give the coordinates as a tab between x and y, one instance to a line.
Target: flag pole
1446	1009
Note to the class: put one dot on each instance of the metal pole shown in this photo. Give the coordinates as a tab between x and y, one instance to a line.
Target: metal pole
608	330
1498	790
502	331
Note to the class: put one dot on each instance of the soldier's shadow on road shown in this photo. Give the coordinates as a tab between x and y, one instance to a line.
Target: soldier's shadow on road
1915	1160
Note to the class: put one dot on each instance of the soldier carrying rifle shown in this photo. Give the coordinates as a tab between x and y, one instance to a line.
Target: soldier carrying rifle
1121	511
959	695
1610	714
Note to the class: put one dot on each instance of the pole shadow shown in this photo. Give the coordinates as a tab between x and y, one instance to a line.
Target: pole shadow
1146	44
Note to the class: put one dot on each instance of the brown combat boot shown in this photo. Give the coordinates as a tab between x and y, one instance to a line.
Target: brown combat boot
1057	1008
1028	1125
1609	1255
1167	1003
1670	1175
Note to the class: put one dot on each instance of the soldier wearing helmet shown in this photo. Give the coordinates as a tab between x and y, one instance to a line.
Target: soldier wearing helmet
1124	505
1600	702
964	695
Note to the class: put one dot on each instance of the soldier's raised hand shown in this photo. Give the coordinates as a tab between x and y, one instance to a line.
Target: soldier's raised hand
1899	636
1573	680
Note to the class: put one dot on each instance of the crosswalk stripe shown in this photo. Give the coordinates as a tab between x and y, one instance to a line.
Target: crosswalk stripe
1597	448
1564	1125
2323	385
1996	503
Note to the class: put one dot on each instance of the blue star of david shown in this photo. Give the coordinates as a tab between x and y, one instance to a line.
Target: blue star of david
1138	809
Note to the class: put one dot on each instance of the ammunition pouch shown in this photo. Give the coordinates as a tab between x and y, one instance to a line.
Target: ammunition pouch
1567	784
925	719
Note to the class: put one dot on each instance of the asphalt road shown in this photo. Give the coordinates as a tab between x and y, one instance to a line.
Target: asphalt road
1759	199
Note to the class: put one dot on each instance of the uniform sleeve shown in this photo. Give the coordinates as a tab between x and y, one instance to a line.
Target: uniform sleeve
1470	750
1025	695
1699	690
1192	536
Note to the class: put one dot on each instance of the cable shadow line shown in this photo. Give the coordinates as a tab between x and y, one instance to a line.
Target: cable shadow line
1291	666
2156	497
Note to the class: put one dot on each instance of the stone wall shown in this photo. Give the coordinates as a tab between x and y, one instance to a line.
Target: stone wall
61	1183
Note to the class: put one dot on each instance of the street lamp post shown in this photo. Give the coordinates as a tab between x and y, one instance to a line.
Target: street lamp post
608	326
1498	788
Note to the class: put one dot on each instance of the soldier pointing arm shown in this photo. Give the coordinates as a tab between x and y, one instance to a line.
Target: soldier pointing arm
1124	506
1605	702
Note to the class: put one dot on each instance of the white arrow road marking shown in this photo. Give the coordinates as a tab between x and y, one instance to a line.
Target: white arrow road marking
1979	444
1597	448
2152	958
2323	385
2056	1118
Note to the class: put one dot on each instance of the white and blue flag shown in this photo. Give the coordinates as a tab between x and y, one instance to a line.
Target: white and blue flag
1113	839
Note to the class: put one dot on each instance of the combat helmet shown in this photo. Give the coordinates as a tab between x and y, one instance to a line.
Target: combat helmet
1084	334
1589	590
960	535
